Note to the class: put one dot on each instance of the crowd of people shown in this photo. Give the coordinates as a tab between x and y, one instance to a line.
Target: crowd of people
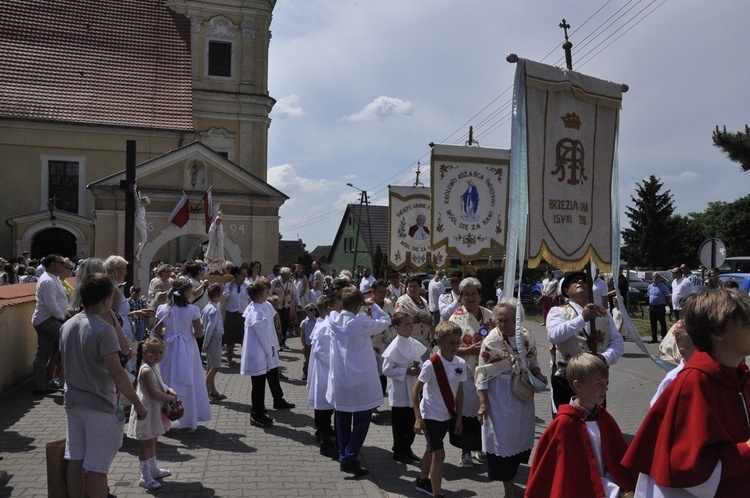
447	365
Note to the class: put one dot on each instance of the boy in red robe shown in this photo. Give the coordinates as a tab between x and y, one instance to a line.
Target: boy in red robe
696	437
579	454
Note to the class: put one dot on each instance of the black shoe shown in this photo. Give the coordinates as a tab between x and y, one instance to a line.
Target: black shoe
330	451
353	468
42	392
414	458
424	486
283	404
401	458
262	421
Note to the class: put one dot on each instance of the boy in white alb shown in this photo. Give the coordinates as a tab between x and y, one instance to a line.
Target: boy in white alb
435	415
306	328
402	362
317	379
354	386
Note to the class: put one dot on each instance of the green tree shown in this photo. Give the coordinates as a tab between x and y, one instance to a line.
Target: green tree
652	234
379	263
727	221
305	260
735	145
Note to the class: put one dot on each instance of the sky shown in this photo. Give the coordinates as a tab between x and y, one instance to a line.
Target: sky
363	86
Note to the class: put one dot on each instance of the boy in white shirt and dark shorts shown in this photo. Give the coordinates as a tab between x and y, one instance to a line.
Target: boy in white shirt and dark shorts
440	384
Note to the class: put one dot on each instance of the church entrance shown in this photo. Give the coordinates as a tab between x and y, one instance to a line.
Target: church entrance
54	241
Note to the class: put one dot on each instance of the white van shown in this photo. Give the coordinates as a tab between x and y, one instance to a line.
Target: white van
736	264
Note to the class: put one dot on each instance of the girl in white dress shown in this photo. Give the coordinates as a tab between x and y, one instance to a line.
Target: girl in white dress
153	393
179	324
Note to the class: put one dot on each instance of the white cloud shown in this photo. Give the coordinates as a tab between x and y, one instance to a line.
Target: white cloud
685	176
287	108
382	108
286	179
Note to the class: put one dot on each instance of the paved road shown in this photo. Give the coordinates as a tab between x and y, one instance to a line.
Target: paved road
229	457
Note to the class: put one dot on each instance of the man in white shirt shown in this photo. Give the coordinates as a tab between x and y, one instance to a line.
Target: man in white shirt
601	292
318	276
367	280
451	301
569	329
50	313
681	287
434	290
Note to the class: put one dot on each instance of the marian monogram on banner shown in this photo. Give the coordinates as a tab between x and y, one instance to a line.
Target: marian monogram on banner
470	199
571	125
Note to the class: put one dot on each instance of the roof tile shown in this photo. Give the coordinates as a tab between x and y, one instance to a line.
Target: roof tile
123	63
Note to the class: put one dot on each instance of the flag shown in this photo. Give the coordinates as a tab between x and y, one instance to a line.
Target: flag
565	150
469	199
208	208
181	212
409	232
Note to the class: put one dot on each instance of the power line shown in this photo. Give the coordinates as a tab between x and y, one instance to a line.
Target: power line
501	115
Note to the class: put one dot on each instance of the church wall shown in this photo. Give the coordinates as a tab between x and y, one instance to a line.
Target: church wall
23	145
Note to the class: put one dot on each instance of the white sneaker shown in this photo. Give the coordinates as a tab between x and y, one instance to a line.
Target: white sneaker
466	461
159	473
150	484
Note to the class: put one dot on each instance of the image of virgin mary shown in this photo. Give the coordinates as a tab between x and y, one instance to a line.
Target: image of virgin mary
469	203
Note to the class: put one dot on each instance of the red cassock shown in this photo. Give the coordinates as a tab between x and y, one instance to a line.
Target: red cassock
564	465
701	418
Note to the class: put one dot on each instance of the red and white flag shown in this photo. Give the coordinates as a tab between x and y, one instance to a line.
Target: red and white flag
208	208
181	212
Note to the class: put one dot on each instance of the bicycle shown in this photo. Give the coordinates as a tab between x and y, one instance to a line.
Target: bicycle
634	306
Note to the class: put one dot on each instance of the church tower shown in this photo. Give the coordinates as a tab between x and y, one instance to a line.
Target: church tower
231	103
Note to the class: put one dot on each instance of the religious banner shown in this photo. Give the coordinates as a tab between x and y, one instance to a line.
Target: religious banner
565	130
470	187
409	231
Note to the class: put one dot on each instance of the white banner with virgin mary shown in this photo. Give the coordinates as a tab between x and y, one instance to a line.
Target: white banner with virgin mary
565	131
409	230
470	188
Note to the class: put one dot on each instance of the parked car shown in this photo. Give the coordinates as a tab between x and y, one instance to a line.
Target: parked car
636	282
736	264
445	280
742	279
647	275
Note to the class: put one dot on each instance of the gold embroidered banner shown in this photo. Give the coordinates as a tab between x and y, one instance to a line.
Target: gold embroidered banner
571	129
470	199
409	230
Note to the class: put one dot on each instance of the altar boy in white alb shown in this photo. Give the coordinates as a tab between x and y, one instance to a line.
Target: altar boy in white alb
354	386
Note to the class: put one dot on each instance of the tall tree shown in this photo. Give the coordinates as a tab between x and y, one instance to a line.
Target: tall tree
727	221
735	145
651	236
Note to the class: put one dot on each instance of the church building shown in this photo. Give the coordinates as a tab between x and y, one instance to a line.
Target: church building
187	80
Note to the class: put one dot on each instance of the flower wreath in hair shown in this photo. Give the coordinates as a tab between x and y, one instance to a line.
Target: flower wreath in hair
180	285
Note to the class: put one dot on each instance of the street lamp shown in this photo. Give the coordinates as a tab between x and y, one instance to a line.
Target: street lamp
362	200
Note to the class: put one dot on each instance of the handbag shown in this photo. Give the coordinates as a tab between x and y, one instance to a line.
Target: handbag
174	411
526	385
